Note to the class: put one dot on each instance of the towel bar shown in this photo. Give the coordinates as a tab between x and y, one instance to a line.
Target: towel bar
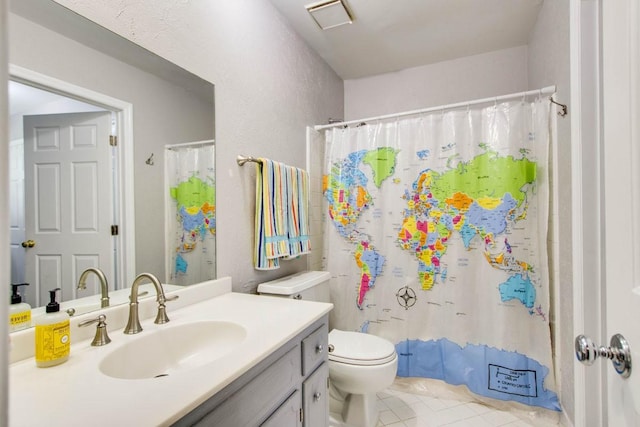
244	159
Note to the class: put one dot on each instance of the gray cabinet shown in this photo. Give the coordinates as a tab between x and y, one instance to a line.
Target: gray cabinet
315	397
287	389
288	414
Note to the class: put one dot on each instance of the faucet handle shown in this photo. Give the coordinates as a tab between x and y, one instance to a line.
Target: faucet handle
162	317
101	337
140	294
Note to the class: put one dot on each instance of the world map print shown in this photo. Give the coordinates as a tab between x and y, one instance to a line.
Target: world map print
477	199
195	215
440	249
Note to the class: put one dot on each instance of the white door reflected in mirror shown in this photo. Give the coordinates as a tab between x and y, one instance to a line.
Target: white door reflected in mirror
68	199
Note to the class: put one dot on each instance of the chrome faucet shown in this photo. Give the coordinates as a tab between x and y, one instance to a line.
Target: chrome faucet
133	325
104	286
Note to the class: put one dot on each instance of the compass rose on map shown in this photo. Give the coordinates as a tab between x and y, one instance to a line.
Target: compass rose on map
406	297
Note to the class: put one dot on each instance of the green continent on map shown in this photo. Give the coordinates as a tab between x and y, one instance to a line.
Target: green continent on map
193	192
486	175
383	163
476	198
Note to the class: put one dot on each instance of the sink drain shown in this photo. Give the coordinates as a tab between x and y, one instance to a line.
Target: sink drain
161	375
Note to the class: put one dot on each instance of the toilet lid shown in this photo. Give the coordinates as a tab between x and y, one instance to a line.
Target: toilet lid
358	348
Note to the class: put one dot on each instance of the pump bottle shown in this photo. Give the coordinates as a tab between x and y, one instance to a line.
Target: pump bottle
19	312
53	339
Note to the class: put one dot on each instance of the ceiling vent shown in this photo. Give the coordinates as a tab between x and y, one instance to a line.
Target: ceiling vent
330	14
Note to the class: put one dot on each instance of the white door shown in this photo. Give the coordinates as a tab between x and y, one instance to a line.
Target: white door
621	204
68	202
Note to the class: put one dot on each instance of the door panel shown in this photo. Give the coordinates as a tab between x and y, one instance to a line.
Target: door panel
68	202
621	202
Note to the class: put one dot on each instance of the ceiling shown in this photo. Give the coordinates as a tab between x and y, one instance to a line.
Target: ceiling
391	35
25	99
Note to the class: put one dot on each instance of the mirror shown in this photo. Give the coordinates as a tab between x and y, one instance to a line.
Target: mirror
152	107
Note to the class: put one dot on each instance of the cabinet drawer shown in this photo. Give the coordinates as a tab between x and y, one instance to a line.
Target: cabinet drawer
314	349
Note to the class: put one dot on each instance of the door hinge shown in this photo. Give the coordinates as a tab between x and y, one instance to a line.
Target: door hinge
114	230
113	140
301	415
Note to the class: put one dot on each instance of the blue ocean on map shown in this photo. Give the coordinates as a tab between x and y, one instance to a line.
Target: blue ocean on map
487	371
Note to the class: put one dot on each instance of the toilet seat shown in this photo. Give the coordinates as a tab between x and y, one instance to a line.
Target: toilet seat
357	348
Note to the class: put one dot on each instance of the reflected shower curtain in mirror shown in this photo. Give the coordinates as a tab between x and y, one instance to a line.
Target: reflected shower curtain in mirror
190	213
436	229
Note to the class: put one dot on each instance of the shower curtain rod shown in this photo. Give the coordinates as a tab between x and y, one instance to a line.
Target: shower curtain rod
544	91
189	144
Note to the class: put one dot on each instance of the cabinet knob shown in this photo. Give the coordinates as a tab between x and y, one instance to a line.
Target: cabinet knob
316	396
319	348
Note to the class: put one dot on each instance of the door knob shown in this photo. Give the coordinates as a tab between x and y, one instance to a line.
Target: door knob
28	244
618	352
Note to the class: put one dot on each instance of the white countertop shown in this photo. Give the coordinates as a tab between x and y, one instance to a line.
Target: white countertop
76	393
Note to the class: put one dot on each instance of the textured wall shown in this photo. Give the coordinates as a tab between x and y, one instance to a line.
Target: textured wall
548	65
473	77
269	86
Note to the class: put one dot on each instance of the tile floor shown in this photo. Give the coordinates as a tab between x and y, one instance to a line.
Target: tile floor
443	405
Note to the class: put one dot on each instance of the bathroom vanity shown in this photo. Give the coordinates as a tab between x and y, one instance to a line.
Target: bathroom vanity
224	359
289	388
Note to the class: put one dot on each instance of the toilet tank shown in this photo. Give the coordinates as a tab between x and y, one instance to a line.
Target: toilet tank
306	285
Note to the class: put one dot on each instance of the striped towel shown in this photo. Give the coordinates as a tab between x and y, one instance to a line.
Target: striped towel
260	260
299	243
282	219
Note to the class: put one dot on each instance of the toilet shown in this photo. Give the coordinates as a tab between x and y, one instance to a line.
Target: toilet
360	365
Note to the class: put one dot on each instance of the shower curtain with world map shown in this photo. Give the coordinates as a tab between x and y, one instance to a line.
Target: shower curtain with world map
436	232
190	203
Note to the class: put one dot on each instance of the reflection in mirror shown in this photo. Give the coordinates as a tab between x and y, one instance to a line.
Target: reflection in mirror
56	138
98	80
190	212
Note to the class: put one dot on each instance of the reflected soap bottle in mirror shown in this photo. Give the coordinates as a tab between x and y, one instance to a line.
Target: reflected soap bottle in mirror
19	312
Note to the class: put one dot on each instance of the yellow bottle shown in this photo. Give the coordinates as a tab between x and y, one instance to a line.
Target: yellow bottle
53	338
19	312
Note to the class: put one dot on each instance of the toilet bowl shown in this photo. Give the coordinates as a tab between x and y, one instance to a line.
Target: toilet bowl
360	365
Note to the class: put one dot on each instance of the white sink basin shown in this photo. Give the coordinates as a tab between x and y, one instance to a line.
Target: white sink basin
170	349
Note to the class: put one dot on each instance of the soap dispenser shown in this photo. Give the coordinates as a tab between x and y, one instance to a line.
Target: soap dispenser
19	312
53	339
